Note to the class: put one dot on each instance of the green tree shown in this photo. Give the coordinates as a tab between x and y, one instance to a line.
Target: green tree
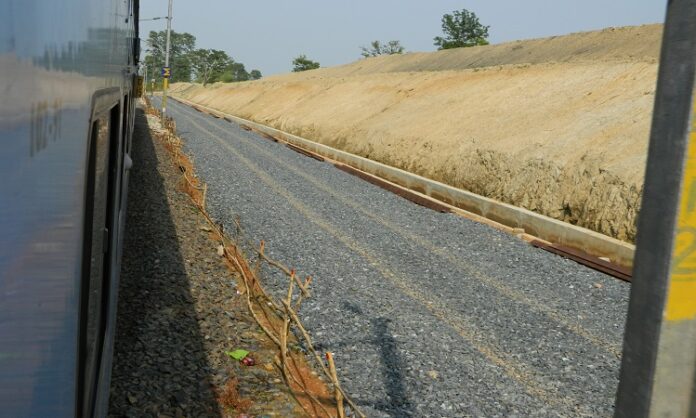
153	66
461	29
235	72
302	63
377	48
209	64
182	45
206	65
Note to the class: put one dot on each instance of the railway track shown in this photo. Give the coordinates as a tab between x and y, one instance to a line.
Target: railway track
429	314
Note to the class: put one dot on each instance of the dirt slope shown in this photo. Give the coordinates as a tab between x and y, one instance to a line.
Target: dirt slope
558	125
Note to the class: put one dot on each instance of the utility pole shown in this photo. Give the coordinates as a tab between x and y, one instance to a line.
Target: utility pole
658	370
166	71
145	80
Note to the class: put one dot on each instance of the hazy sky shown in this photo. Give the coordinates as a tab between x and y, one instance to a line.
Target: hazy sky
267	35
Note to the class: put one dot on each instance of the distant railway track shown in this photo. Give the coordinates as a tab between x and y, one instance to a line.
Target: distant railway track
573	242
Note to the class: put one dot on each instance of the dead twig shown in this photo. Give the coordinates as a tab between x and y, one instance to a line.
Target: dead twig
286	326
337	387
285	270
303	387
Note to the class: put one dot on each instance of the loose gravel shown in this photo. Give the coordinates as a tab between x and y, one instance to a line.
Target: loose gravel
179	310
429	314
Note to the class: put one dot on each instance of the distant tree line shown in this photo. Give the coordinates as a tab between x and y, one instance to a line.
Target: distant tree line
460	29
189	63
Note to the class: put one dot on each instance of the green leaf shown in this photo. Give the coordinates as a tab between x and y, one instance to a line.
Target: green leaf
237	354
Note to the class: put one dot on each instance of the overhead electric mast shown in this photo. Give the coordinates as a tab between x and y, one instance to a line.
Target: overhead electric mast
166	71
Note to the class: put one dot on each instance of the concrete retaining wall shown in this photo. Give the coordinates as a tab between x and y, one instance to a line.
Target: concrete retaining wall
532	223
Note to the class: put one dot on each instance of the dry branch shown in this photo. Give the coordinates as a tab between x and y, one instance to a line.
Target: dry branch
334	377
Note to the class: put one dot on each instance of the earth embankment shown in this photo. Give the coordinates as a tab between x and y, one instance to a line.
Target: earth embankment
559	125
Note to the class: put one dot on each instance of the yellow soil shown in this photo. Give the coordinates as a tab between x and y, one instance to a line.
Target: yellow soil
558	125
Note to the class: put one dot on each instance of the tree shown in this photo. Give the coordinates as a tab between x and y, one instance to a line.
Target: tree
376	49
209	64
302	63
182	45
235	72
461	29
255	75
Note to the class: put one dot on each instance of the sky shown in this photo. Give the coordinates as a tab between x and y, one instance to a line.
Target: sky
267	35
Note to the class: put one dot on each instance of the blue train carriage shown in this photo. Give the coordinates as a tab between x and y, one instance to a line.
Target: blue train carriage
67	76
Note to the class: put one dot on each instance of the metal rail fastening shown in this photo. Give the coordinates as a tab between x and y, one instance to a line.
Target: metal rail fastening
658	376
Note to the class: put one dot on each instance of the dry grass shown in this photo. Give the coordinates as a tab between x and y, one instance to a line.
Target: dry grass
229	397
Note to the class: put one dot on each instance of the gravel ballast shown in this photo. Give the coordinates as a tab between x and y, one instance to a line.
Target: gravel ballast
179	310
428	314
